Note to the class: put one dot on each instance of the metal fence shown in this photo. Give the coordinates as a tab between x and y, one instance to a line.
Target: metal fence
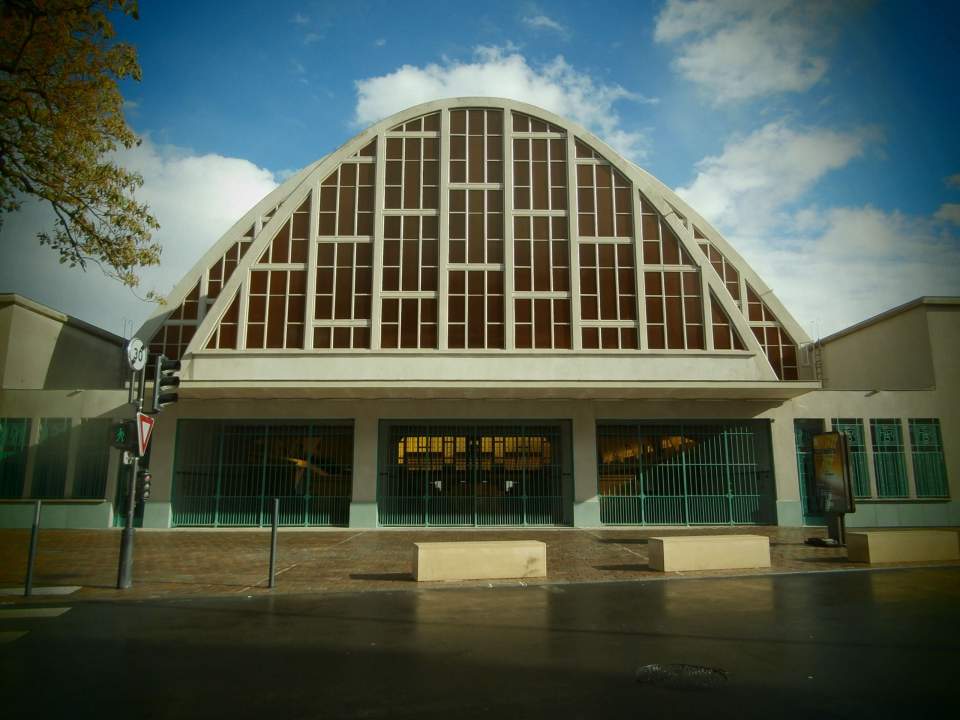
228	472
684	474
471	475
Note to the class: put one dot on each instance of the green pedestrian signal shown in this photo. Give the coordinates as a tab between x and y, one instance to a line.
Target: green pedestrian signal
123	435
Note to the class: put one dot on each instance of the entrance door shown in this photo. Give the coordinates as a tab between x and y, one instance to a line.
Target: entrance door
464	475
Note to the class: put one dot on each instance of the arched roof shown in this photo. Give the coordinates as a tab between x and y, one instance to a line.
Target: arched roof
217	287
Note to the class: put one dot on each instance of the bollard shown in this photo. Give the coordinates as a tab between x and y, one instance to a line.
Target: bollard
273	543
32	558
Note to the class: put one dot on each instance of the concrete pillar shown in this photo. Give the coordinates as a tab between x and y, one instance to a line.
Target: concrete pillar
586	503
158	511
363	501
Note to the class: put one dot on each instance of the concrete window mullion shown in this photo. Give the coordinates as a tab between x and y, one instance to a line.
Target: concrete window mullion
573	230
379	202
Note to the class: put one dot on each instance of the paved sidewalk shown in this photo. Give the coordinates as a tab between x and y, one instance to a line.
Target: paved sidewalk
234	562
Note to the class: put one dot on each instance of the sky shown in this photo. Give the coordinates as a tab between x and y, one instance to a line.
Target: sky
820	138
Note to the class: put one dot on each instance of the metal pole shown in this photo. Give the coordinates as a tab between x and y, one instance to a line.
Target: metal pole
32	558
273	543
125	571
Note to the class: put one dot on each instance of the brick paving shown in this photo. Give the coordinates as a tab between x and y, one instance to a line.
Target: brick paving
171	563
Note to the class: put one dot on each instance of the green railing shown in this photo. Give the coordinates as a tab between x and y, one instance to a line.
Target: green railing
228	472
454	475
929	467
14	443
684	474
857	452
888	460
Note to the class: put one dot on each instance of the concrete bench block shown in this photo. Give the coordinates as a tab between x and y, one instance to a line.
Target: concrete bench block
709	552
888	546
479	560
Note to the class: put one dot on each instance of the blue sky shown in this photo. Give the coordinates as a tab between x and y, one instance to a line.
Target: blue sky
819	137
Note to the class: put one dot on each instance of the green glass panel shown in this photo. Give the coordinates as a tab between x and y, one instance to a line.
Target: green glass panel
227	473
857	449
14	443
929	466
888	459
684	474
93	459
50	465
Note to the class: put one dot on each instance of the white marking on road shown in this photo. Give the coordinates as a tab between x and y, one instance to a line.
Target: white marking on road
9	637
32	612
56	590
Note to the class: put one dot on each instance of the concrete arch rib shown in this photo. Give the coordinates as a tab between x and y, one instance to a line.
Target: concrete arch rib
231	236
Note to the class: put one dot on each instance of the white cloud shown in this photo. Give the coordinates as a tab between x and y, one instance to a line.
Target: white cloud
380	42
196	198
830	266
504	72
948	213
862	262
756	177
740	49
299	19
544	22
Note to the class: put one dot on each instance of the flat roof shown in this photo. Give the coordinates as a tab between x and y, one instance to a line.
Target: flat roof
892	312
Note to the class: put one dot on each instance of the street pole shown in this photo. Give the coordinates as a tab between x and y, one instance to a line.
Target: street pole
125	572
32	557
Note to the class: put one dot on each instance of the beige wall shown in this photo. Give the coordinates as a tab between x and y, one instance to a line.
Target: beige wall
892	354
45	350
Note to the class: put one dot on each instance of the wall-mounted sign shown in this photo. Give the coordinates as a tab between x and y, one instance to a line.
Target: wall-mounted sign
831	473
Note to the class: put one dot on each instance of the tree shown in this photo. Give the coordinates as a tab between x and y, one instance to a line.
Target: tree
61	118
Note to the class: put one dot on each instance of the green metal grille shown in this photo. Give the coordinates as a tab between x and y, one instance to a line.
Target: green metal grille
93	459
857	451
803	432
14	443
684	474
929	467
228	472
888	460
50	465
471	475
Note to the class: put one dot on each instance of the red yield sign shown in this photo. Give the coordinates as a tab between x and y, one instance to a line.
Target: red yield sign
144	430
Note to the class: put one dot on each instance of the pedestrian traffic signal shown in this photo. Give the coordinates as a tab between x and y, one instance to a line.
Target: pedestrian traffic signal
123	435
143	485
165	380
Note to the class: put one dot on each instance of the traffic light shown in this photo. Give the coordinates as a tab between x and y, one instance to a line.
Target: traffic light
143	484
165	380
123	435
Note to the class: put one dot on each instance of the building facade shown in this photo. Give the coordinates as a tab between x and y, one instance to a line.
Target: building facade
475	313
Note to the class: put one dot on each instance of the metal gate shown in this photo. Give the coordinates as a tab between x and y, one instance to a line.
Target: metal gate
687	473
459	475
227	473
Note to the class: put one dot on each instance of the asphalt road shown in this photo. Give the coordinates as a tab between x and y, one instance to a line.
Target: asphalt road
852	644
